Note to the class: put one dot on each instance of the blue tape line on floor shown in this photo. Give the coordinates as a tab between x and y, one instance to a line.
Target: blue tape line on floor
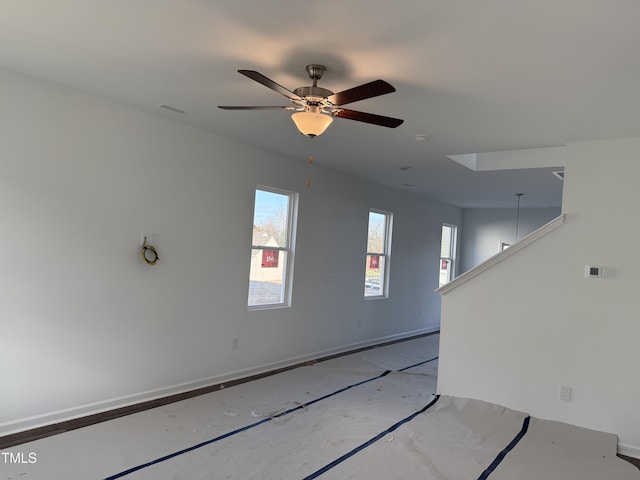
242	429
418	364
186	450
370	442
507	449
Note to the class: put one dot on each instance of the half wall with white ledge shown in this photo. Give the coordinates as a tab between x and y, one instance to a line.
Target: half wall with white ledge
527	326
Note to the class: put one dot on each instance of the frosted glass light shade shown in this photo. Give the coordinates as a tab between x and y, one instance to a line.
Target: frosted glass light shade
311	124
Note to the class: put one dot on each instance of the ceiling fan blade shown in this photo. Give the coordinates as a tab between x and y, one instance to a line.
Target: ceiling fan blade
362	92
267	82
368	118
248	107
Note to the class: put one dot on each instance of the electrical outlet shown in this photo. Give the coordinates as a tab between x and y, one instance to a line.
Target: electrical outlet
565	393
234	344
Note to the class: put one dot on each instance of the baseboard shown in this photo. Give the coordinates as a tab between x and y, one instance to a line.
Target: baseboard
629	450
193	388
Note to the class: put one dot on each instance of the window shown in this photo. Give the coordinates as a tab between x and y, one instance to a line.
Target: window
376	277
272	248
447	253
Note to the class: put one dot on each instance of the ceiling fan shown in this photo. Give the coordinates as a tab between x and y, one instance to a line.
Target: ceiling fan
315	106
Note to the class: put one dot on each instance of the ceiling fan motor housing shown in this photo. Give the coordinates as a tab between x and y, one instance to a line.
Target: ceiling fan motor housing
313	93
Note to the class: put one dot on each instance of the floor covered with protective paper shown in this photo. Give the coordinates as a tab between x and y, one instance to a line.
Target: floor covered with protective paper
369	415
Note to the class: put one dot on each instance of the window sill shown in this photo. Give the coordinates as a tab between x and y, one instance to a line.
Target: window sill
253	308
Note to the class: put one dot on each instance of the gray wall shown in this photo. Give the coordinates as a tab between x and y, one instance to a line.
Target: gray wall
87	325
483	230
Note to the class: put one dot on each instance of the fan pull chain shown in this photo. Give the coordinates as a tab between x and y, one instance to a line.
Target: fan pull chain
311	160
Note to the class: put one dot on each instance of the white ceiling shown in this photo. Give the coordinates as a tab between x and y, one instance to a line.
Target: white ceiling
476	76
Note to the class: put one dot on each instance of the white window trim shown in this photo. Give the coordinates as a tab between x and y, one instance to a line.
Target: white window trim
290	249
388	228
453	250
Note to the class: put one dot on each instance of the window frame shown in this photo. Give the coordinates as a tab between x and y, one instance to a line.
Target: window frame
452	251
289	248
386	254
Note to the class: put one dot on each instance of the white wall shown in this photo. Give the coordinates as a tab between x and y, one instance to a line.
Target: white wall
514	334
86	325
483	230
